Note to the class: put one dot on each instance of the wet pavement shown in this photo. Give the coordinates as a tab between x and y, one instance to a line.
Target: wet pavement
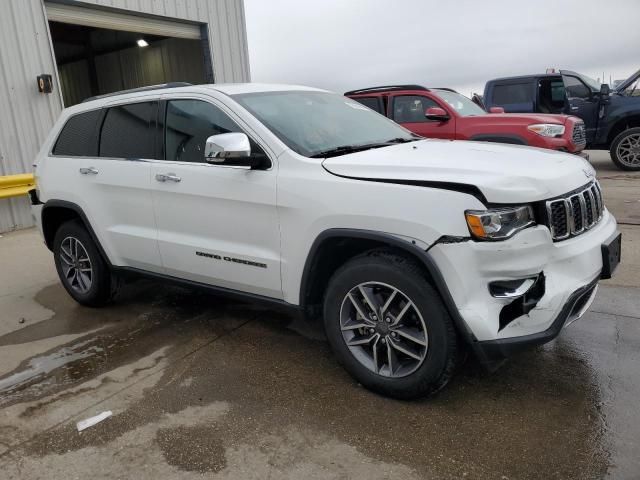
203	385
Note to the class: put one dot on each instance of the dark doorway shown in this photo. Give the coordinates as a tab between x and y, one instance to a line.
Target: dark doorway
94	61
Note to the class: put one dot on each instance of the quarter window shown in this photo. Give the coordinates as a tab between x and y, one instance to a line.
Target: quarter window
411	108
128	131
189	123
79	136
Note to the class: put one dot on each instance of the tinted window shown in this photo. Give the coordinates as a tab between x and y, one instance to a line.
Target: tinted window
372	102
411	108
188	125
513	93
79	136
575	88
128	131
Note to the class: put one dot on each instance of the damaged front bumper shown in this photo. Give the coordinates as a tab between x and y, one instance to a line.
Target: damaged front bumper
521	292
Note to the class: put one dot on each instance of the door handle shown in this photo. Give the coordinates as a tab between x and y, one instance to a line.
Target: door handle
89	171
170	177
573	109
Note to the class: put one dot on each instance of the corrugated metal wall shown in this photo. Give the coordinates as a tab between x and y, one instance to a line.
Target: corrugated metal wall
25	52
171	60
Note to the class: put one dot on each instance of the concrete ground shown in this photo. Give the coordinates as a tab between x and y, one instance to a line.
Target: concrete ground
202	385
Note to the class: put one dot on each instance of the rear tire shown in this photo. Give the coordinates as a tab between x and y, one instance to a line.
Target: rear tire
416	352
82	271
625	149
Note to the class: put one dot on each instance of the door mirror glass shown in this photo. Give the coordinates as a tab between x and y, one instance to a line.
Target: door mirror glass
436	113
496	110
221	147
605	90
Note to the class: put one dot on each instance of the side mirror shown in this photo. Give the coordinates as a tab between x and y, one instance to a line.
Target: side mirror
436	113
225	146
605	90
496	110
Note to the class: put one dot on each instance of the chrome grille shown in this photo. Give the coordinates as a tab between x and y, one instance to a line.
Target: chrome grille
573	214
579	135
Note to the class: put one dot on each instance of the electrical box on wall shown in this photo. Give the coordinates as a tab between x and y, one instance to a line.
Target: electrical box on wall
45	83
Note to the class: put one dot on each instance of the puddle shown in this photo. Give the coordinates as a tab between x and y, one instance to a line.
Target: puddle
146	317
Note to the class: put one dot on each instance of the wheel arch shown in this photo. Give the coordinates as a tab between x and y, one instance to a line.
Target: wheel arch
57	212
622	124
333	247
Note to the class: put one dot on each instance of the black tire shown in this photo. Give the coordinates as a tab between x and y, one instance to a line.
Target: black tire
102	285
621	160
401	273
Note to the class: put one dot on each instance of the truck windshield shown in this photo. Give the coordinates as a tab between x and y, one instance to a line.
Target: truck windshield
461	104
312	123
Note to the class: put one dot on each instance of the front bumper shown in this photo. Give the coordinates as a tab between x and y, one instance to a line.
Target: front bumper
571	269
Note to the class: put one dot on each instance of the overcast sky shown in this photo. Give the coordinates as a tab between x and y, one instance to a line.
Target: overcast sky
342	45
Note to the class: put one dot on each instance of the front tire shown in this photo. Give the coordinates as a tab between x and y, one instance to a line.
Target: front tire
388	327
625	149
82	271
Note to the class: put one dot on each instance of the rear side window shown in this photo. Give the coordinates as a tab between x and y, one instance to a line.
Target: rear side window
513	93
79	136
373	103
128	131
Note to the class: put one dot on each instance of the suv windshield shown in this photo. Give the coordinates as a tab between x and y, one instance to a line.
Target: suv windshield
317	123
460	103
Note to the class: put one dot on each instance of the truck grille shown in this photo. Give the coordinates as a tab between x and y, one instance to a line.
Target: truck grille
576	212
579	135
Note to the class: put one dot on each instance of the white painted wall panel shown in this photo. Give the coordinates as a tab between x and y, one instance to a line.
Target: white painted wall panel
26	115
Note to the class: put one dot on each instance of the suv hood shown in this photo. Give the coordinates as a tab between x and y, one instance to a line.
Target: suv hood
502	173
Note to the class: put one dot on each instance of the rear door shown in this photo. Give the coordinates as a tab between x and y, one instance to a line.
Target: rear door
409	111
582	102
216	224
108	178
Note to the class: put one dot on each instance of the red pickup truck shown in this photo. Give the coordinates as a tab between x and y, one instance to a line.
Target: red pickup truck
445	113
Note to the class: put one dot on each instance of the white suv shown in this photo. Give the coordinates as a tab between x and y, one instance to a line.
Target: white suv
409	249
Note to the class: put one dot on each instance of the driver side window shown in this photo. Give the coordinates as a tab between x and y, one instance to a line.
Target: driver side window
575	88
411	108
188	124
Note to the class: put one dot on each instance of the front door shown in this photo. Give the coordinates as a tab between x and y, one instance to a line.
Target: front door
582	102
216	224
409	111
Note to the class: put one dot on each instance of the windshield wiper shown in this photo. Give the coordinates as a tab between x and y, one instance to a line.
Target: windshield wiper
344	149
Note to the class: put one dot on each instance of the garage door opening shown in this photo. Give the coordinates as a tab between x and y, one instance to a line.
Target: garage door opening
95	61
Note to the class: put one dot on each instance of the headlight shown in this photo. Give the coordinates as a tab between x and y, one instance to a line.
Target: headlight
547	129
498	223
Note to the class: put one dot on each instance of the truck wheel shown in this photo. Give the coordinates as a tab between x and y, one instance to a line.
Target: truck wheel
625	149
388	327
82	270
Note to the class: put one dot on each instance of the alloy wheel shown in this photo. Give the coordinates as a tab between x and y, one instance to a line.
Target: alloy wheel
628	150
383	329
76	265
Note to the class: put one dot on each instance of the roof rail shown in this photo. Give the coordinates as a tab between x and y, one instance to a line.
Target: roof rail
387	88
140	89
445	88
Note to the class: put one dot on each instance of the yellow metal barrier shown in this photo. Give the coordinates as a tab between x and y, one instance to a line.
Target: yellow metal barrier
16	185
